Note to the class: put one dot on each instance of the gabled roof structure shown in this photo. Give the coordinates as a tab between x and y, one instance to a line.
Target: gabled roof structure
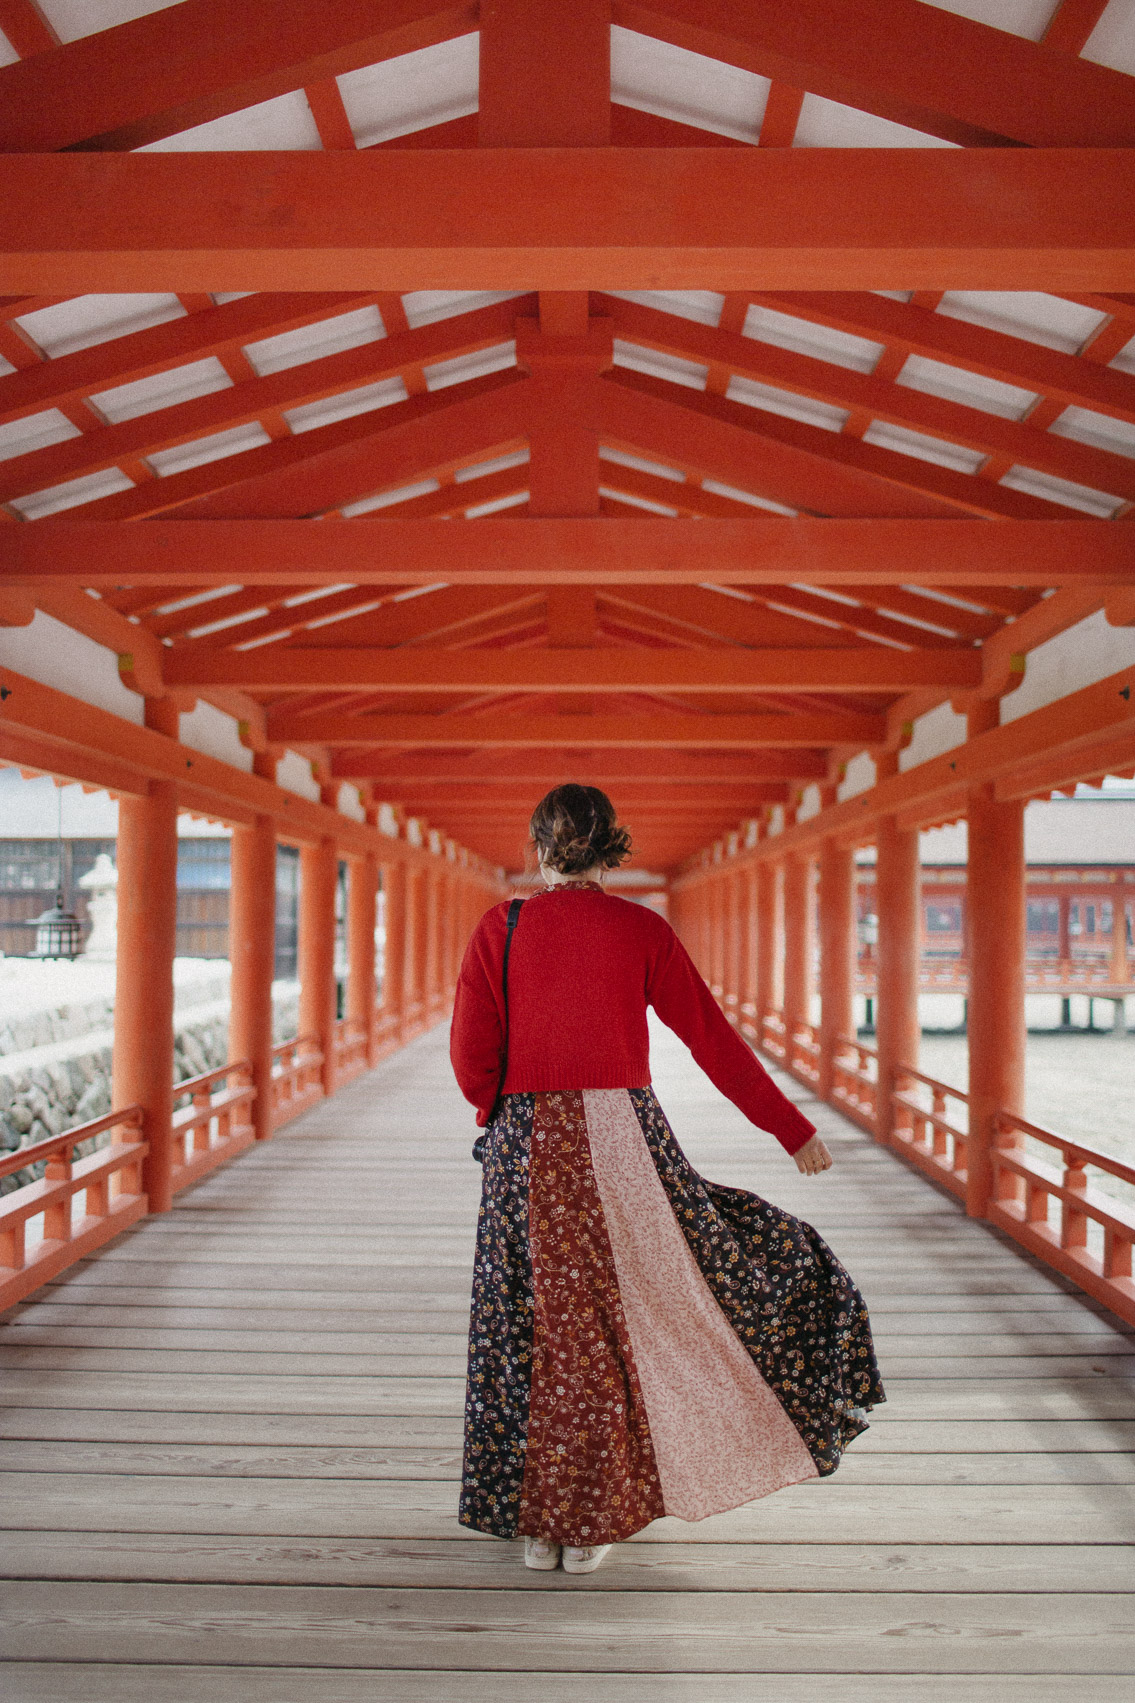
682	396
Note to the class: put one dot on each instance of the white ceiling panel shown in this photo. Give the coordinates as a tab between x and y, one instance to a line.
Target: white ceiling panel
200	451
637	502
954	384
313	342
1112	42
72	492
465	367
311	415
923	448
822	342
83	321
430	86
659	365
785	402
8	54
284	123
654	76
1084	425
499	464
72	19
387	499
1028	18
1125	360
35	431
5	367
640	464
720	490
1048	320
828	124
162	390
1055	490
425	307
479	510
704	306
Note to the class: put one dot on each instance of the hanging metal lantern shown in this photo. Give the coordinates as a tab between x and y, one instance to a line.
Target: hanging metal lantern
58	933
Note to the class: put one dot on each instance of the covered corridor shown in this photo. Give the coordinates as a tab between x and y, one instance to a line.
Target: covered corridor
231	1453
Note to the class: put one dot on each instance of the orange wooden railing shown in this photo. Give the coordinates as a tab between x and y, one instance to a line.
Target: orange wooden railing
1054	1212
215	1125
110	1180
925	1133
774	1036
350	1044
297	1078
803	1052
855	1070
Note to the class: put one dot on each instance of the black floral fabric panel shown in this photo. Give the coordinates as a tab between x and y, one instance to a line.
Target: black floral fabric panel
786	1295
498	1390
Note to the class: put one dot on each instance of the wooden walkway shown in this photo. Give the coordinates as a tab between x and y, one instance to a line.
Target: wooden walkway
230	1445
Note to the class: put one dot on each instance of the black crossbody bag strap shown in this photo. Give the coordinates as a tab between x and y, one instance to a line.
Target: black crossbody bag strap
513	919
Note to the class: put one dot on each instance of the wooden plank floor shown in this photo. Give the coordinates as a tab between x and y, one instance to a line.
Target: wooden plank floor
230	1445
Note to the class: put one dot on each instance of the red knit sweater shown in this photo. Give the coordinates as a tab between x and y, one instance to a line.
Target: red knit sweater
584	967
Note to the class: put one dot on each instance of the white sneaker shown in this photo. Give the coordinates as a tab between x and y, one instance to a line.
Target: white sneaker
584	1560
541	1554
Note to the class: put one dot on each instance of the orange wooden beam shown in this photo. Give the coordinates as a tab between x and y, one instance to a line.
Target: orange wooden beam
550	552
735	669
705	732
908	62
536	767
570	219
163	73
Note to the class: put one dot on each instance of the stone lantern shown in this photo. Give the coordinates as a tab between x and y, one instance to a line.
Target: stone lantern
101	887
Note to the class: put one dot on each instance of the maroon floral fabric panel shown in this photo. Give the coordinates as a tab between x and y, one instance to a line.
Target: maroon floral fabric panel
590	1475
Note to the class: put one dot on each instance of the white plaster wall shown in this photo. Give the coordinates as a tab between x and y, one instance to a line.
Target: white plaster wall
215	734
809	804
350	803
937	731
57	656
294	773
860	777
1087	652
29	809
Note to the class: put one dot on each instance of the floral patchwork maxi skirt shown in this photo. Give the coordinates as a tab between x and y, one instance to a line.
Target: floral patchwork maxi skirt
642	1341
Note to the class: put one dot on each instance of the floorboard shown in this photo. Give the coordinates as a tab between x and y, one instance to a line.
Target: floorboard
229	1446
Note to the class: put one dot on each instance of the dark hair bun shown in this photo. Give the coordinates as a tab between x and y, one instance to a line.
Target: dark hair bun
573	828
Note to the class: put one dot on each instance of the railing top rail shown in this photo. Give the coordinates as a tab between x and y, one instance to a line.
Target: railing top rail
860	1046
197	1084
24	1156
1008	1123
309	1042
931	1082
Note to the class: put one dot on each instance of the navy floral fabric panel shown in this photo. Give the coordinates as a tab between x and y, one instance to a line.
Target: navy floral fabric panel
788	1298
499	1384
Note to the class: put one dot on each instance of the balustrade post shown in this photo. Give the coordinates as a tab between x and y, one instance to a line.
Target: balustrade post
837	956
797	875
747	965
731	945
394	947
768	940
432	943
415	948
362	906
996	1012
896	1022
142	1069
252	950
319	875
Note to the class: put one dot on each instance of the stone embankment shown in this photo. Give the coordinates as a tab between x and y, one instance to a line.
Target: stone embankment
55	1058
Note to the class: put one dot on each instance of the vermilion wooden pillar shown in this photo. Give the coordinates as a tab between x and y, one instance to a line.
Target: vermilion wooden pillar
252	949
142	1068
362	905
319	874
837	955
996	1013
768	940
797	940
731	944
394	946
415	949
717	934
896	1021
433	939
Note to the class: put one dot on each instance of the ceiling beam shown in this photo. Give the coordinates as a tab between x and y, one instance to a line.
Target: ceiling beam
535	767
569	219
163	73
554	552
572	732
908	62
608	669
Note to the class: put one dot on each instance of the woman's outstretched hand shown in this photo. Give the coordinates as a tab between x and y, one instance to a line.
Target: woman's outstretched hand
813	1157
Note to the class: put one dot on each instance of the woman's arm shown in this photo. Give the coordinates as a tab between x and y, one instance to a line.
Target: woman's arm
685	1004
476	1036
